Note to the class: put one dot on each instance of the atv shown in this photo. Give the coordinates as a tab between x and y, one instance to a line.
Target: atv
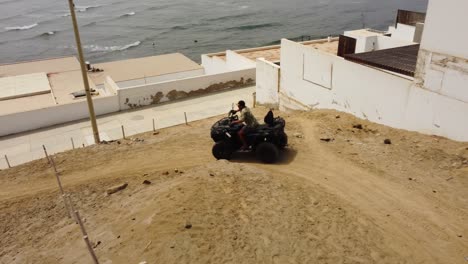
265	141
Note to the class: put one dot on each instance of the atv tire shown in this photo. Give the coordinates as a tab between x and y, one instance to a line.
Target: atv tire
222	150
267	152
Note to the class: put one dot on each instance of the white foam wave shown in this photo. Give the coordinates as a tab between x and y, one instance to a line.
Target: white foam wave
66	15
130	14
85	8
244	7
96	48
50	33
22	27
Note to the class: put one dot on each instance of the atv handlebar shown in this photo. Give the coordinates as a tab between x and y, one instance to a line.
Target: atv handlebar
232	115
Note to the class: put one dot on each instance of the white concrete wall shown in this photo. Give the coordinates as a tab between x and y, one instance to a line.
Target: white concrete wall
267	87
161	78
384	42
441	77
445	29
142	95
237	62
368	93
25	121
214	64
110	86
231	62
443	74
404	32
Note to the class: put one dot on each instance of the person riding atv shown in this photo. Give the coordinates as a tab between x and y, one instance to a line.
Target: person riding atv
249	120
265	140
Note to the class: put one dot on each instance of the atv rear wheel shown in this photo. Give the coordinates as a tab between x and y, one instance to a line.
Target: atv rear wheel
267	152
222	150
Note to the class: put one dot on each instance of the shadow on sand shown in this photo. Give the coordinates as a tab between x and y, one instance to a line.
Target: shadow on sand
286	157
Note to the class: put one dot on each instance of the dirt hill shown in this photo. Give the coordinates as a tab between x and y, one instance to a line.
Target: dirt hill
338	195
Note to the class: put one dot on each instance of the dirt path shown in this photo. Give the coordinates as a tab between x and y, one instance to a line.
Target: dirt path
415	221
350	200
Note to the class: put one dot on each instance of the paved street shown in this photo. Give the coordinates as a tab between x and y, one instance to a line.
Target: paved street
24	147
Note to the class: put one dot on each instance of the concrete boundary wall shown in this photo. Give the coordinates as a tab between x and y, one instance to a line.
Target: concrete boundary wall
237	62
161	78
370	94
25	121
118	99
267	89
139	96
214	64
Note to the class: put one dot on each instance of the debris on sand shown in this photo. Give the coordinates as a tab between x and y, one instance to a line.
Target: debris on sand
116	188
326	139
298	135
146	182
387	142
156	133
188	225
166	173
97	244
357	126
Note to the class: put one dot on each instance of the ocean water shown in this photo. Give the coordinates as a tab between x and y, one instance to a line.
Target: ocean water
118	29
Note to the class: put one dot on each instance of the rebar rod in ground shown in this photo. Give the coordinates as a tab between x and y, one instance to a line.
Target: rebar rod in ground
46	154
7	161
185	115
59	182
154	126
123	132
72	208
85	238
73	143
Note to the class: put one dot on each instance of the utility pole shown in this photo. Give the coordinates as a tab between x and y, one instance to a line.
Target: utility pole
84	74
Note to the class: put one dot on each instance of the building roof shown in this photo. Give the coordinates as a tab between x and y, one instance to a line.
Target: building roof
23	85
365	32
61	76
273	53
140	68
48	66
400	60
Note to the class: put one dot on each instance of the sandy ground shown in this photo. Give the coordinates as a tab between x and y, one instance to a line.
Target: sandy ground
339	195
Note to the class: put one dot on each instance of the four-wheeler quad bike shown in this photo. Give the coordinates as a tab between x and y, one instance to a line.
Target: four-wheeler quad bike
266	140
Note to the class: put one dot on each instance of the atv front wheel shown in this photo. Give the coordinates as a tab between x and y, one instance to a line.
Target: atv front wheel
222	150
267	152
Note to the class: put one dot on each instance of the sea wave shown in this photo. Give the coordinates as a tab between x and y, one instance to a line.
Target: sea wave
86	8
97	48
230	17
256	26
22	27
130	14
46	34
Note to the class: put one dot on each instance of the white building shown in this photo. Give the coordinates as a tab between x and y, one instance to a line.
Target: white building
430	96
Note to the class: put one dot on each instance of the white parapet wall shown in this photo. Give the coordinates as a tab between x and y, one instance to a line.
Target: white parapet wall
139	96
54	115
214	64
267	87
314	79
237	62
161	78
226	62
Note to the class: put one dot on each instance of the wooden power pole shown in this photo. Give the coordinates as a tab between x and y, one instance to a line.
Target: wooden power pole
84	74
